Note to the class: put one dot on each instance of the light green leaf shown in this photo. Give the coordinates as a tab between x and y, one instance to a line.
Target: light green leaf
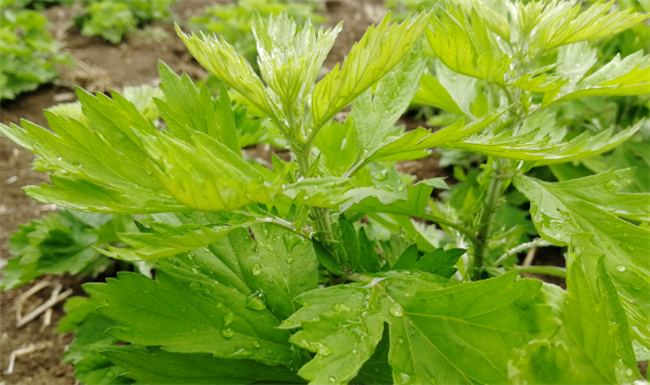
565	213
380	49
156	366
185	316
466	46
222	61
562	23
290	58
413	144
165	240
432	93
619	77
375	112
422	310
539	140
593	345
186	109
205	174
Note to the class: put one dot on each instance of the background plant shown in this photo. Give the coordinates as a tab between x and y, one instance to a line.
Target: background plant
272	275
28	53
111	19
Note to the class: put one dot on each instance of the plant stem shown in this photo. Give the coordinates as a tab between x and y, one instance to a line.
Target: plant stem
547	270
320	215
486	217
524	246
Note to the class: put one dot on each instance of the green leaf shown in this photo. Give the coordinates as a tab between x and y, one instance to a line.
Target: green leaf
156	366
375	112
477	314
59	243
566	213
629	76
165	240
204	174
562	23
343	325
290	58
186	316
466	46
432	93
222	61
593	345
91	366
357	250
284	267
439	262
186	109
537	140
380	49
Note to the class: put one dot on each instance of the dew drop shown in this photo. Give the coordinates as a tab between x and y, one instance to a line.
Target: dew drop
255	301
631	248
228	318
331	379
400	340
227	333
256	270
268	246
77	164
256	344
242	353
195	330
289	261
404	378
59	158
195	285
395	310
340	307
628	372
621	268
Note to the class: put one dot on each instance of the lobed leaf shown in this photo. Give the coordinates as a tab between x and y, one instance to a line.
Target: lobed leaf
565	213
593	345
379	51
422	315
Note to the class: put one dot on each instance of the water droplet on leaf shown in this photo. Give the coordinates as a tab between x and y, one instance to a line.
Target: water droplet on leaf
395	310
228	318
620	268
256	270
227	333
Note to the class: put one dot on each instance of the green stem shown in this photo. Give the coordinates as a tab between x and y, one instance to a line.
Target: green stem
524	246
486	218
546	270
320	215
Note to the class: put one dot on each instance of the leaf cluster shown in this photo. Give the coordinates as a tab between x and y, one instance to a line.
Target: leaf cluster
28	54
112	19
